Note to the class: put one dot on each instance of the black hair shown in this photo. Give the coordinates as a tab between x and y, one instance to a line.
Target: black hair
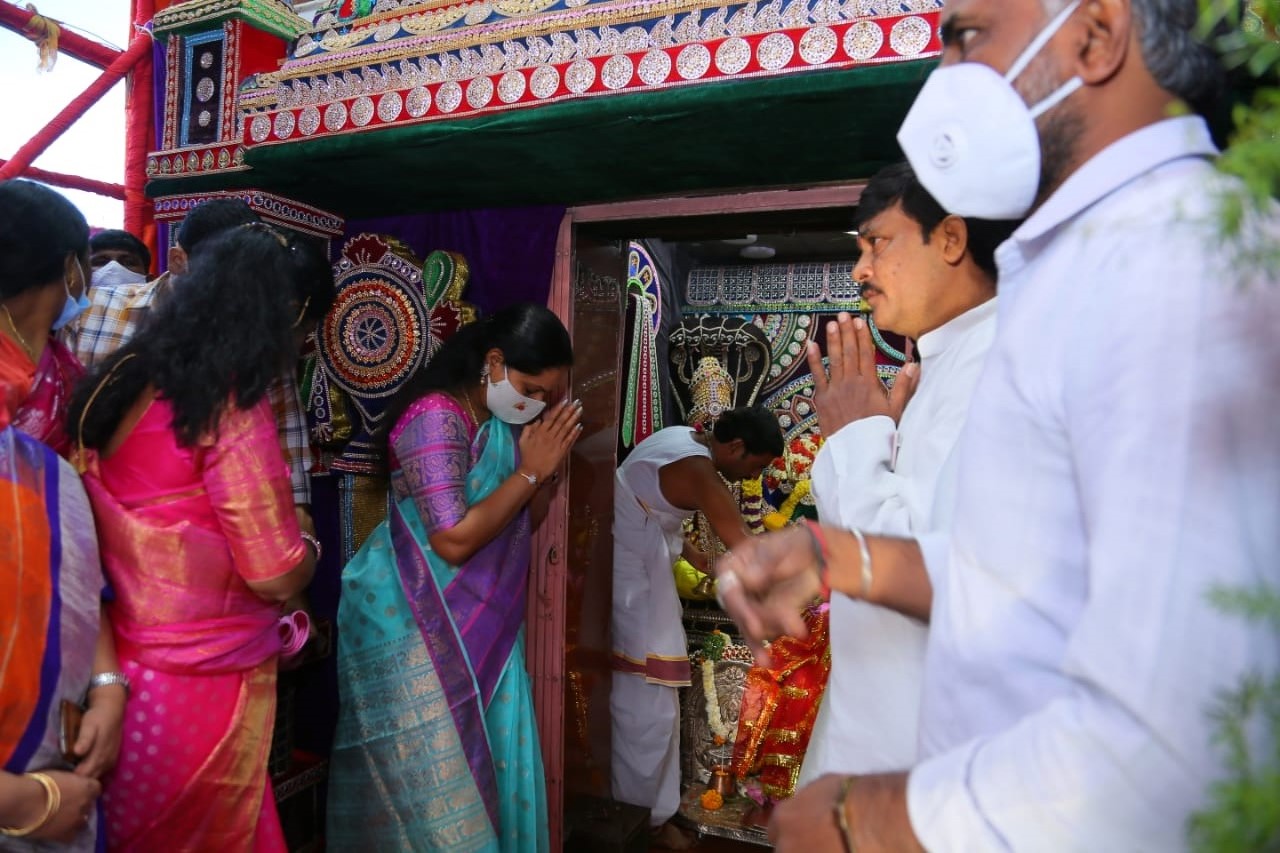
39	227
755	425
531	337
121	241
225	334
212	217
897	184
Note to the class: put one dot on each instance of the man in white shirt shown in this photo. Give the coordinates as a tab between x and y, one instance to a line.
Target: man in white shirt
930	277
1119	463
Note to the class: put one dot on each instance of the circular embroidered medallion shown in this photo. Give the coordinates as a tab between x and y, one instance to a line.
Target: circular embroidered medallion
617	71
545	81
284	124
693	61
733	55
372	337
260	127
206	59
449	96
418	102
309	120
204	89
910	36
818	45
362	111
580	75
390	106
863	40
511	87
205	118
479	92
655	67
335	116
775	51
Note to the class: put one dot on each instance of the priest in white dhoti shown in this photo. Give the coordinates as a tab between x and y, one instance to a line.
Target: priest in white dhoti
883	468
668	477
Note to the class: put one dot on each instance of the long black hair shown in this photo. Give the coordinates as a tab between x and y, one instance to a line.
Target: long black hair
38	229
531	337
225	333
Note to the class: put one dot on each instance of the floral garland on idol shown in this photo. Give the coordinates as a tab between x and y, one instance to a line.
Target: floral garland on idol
714	649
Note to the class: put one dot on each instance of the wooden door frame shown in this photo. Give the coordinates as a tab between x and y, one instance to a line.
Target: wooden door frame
546	613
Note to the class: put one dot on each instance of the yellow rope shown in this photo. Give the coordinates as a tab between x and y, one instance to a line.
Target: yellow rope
44	32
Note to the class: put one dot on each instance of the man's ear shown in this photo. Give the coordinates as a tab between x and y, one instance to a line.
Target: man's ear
952	235
1104	40
177	260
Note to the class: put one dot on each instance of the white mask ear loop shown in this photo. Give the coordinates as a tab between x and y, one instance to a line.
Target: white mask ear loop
1024	59
1064	92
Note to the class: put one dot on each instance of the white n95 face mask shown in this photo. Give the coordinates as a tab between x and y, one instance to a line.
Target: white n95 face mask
114	273
972	140
509	405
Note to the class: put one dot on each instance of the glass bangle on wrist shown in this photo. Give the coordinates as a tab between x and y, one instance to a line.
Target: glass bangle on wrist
106	679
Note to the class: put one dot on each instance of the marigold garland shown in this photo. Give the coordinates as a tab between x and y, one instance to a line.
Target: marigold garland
711	800
783	515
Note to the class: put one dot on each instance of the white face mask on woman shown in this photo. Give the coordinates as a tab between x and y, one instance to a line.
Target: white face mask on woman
507	404
972	140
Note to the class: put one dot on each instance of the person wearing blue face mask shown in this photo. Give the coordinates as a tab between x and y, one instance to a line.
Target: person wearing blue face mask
59	658
44	273
1118	463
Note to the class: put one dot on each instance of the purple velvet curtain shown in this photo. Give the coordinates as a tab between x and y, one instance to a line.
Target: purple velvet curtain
510	250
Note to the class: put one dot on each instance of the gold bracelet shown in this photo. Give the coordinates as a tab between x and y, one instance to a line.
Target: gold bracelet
842	814
53	802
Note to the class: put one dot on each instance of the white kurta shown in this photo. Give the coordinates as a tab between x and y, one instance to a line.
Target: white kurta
1119	462
883	479
650	653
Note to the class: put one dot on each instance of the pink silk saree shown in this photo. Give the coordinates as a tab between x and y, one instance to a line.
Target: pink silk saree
182	530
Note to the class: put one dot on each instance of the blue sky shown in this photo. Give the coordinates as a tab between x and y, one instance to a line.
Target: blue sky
94	145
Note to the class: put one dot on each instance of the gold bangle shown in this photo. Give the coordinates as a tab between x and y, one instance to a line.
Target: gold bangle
53	802
842	814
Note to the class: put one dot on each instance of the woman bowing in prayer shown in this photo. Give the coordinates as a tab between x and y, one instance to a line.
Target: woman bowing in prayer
436	747
199	539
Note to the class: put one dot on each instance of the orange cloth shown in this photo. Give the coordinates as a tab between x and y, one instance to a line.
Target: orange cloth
779	705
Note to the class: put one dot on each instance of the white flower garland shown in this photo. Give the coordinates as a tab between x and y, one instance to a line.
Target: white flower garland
714	720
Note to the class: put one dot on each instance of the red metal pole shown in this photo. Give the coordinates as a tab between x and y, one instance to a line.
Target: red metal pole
140	47
72	182
140	123
87	50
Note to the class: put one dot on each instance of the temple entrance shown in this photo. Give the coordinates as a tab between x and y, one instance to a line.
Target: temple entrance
677	307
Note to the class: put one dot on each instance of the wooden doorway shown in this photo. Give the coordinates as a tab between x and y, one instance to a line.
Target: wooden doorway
568	636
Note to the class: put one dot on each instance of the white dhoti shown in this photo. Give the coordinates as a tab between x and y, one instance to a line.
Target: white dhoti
650	653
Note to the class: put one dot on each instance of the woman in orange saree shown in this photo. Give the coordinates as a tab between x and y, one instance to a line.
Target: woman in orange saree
199	540
56	653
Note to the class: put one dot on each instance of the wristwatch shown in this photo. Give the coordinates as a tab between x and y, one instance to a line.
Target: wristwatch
104	679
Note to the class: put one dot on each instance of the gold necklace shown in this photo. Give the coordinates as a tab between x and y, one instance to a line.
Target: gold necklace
12	325
466	398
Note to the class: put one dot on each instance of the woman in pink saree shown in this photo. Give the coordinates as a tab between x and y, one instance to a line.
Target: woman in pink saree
199	540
